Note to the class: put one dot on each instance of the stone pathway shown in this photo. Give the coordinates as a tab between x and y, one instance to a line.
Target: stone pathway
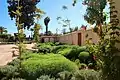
6	53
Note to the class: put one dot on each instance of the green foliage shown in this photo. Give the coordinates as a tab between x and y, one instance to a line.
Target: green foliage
4	36
65	75
35	65
15	62
94	11
44	49
45	77
26	8
16	79
84	57
87	75
84	54
37	26
2	30
65	51
36	32
73	52
10	71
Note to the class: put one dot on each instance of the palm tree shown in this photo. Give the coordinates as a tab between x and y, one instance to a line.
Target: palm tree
46	21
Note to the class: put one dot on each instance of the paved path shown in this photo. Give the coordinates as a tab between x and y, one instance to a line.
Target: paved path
6	53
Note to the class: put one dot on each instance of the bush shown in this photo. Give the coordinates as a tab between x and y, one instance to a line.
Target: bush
65	75
87	75
50	64
56	49
15	62
71	52
84	57
44	49
65	51
10	71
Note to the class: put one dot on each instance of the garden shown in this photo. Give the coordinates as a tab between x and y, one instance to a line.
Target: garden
62	61
53	61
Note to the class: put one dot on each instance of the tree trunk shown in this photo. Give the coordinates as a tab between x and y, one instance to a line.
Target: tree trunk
46	29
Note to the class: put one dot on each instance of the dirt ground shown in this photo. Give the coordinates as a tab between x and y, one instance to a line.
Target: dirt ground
6	53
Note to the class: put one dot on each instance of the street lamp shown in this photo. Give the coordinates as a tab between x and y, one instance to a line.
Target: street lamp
46	21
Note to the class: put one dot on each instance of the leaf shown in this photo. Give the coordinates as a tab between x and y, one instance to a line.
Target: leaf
64	25
40	11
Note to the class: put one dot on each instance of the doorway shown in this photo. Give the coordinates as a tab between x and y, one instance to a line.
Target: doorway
79	39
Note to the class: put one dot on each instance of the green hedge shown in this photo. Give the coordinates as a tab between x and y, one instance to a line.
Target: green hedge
35	65
56	49
70	52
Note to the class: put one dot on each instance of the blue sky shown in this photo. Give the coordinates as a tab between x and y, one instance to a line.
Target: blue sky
53	9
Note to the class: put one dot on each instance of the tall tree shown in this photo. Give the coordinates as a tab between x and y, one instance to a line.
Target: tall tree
26	11
37	26
94	13
46	21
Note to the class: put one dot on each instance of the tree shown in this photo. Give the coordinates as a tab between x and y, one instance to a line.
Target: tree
46	21
2	30
36	32
64	22
94	13
106	50
23	11
76	28
37	26
27	11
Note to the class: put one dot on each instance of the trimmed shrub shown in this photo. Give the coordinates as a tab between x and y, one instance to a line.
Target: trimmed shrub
71	52
56	49
49	64
65	51
84	57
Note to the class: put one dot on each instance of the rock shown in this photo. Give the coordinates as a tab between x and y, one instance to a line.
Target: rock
15	53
